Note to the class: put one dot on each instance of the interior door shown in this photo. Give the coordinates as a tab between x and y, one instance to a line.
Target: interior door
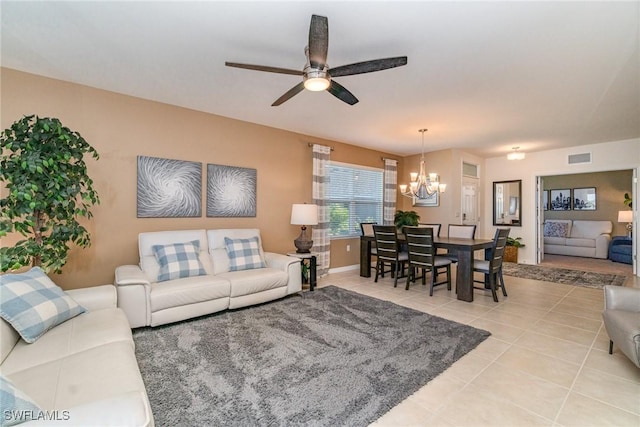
470	199
635	240
539	219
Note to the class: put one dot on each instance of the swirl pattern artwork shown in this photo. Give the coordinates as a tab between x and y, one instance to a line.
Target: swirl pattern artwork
231	191
169	188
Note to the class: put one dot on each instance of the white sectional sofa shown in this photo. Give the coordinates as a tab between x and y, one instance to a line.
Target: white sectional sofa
219	282
577	237
82	372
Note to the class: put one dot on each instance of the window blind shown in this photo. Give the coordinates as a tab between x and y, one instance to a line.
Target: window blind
354	196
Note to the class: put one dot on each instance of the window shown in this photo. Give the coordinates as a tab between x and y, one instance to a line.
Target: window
354	195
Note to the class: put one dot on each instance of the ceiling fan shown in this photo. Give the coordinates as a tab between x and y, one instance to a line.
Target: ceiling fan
317	75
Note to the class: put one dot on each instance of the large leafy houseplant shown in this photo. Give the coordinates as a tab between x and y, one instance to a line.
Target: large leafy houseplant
47	190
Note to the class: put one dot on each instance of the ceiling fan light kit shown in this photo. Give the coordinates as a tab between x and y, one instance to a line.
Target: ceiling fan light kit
316	75
316	80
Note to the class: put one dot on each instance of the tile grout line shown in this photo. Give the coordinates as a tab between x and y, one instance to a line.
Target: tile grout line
580	369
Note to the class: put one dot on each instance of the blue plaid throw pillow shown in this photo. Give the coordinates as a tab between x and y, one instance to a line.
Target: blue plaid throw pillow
33	304
244	254
178	260
17	407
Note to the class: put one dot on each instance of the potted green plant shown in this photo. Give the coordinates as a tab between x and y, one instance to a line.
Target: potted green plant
404	218
43	170
628	201
511	249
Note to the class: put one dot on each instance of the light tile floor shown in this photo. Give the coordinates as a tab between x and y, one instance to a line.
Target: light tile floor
546	363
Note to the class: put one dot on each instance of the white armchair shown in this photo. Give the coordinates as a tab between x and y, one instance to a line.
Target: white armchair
622	320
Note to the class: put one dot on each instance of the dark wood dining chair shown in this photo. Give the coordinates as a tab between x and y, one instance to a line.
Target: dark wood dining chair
389	251
367	230
459	231
436	228
422	255
492	268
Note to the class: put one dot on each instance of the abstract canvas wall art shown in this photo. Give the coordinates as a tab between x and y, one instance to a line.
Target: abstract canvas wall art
169	188
231	191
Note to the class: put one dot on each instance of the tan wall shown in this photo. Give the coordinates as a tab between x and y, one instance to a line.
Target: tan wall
448	165
438	162
610	189
121	127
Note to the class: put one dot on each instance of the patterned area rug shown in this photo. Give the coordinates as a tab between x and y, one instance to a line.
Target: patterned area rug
330	358
565	276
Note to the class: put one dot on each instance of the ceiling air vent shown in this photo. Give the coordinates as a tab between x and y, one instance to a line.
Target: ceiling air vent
575	159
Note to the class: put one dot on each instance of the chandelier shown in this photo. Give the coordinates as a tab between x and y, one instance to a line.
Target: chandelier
422	186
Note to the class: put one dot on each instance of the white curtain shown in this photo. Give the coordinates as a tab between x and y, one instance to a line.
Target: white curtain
390	185
320	235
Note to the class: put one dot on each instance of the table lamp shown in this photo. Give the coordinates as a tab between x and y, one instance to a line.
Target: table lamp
304	214
626	216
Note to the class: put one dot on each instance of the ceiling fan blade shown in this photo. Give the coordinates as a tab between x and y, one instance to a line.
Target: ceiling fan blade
264	68
318	40
289	94
340	92
368	66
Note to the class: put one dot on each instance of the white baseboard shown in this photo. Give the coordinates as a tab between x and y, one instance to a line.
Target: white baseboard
345	268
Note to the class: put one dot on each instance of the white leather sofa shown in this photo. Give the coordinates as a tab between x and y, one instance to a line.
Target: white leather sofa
82	372
577	237
149	302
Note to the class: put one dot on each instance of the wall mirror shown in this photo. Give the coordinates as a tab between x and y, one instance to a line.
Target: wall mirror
507	198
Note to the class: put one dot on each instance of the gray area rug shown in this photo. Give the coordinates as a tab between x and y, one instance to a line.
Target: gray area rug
330	358
565	276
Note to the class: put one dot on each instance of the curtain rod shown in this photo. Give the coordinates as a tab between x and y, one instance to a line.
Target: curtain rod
311	145
388	158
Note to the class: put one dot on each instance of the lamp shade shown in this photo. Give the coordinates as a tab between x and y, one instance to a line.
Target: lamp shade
625	216
303	214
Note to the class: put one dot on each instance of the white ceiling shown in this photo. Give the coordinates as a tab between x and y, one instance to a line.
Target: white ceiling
482	76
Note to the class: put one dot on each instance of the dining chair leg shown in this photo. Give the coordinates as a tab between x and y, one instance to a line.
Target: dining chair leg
378	266
410	274
449	277
492	283
395	279
504	290
433	280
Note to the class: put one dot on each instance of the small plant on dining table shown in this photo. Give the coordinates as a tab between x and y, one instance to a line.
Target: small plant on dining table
406	218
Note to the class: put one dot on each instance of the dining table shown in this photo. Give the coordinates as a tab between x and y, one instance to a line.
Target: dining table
465	249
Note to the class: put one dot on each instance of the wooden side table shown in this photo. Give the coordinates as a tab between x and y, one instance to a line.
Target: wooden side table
310	258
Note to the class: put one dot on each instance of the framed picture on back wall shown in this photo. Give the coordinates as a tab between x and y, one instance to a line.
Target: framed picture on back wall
584	199
561	200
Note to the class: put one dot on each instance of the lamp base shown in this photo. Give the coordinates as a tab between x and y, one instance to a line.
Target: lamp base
303	244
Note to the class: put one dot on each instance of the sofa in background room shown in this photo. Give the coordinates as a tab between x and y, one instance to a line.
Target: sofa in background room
577	237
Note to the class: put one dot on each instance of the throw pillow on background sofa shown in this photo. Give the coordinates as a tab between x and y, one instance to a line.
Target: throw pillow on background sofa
178	260
33	304
244	254
556	229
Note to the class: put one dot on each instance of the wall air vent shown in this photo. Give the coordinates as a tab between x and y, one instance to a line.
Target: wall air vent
575	159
